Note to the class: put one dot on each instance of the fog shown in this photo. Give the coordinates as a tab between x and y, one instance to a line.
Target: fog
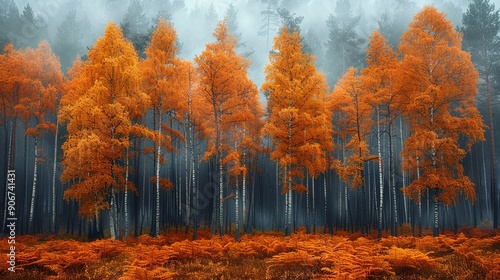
194	25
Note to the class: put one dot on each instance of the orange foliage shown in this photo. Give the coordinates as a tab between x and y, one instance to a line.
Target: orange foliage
299	256
352	112
102	100
409	261
439	106
299	123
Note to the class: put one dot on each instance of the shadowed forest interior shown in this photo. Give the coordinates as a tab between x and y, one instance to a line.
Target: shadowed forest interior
368	121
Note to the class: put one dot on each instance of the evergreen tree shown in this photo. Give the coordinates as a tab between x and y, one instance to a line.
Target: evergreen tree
136	27
343	48
481	24
33	28
270	20
9	22
69	42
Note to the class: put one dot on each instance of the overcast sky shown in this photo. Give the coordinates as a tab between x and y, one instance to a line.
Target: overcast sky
194	33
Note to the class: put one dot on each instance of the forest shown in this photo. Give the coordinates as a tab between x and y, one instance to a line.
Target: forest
365	135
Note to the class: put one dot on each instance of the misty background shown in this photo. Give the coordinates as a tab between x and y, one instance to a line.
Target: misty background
72	27
195	20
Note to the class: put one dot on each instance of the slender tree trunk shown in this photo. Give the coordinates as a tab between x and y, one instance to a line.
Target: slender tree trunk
157	197
196	191
308	216
346	207
221	196
243	185
54	171
26	180
112	217
436	214
33	190
485	182
313	206
276	206
289	222
188	181
143	195
380	176
288	173
178	183
419	201
403	174
125	206
393	182
493	154
237	213
326	203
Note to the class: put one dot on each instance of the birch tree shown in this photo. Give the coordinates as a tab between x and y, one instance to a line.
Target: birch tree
295	92
222	93
439	106
160	71
98	112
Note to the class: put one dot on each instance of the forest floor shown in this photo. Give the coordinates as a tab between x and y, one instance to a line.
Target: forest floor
470	254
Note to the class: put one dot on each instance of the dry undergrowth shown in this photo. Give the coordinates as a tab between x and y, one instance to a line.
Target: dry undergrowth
472	254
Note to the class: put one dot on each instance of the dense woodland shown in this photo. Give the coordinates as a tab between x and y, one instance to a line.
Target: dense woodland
126	136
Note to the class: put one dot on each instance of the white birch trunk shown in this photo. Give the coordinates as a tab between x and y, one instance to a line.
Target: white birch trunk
112	221
308	217
157	198
313	205
178	188
54	171
126	196
393	181
436	215
221	189
405	198
193	172
236	206
243	185
187	180
289	222
33	190
326	200
380	177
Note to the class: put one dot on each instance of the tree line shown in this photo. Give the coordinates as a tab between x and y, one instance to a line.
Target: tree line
160	142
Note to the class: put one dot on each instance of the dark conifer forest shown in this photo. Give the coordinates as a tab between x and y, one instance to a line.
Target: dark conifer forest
345	139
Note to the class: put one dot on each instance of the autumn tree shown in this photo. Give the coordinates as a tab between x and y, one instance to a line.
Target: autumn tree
13	76
439	107
350	102
381	83
40	99
481	23
160	70
188	80
98	112
296	117
222	95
